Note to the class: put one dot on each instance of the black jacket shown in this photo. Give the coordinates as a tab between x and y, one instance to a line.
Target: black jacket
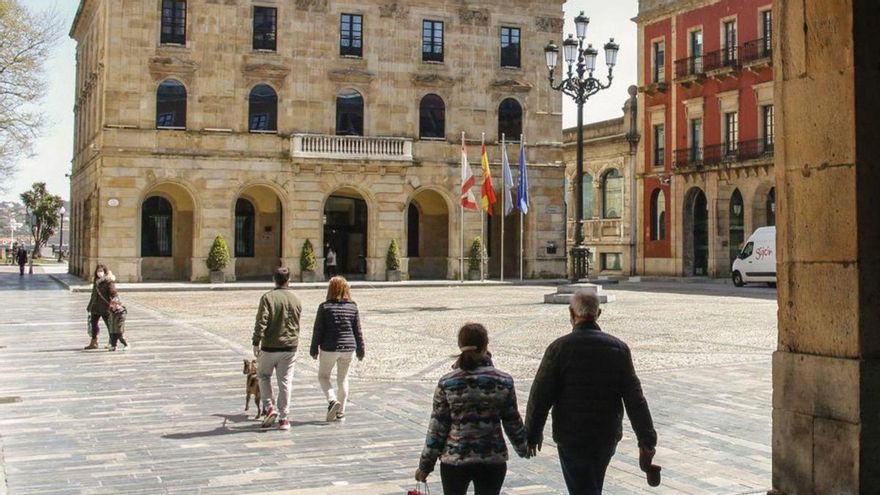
337	328
587	377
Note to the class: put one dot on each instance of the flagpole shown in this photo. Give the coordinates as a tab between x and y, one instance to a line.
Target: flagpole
522	144
461	224
503	204
482	225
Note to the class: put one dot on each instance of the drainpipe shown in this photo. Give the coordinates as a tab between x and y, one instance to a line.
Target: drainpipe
632	136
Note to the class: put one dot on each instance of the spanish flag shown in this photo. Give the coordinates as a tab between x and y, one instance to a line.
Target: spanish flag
488	191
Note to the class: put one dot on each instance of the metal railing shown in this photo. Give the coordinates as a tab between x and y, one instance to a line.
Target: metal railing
690	66
717	154
757	49
351	147
724	58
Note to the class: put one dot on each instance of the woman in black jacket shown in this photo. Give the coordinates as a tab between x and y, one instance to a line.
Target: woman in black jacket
103	291
336	339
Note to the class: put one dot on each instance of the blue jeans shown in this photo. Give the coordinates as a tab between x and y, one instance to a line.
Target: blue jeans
584	467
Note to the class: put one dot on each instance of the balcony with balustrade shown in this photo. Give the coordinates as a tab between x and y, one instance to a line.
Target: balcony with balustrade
752	152
757	54
330	147
689	71
722	63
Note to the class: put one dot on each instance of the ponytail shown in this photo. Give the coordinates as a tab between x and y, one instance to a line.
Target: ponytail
473	340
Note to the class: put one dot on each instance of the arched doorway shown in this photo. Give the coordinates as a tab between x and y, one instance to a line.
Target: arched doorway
696	233
345	231
736	229
167	233
258	233
428	236
770	207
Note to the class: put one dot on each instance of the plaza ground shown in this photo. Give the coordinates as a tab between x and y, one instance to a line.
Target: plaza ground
167	417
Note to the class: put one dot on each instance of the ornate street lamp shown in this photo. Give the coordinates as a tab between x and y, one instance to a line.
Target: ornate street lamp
580	85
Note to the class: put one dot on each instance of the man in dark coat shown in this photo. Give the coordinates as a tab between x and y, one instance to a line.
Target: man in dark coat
22	257
586	378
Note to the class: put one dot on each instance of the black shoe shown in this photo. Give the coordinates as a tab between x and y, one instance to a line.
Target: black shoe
332	410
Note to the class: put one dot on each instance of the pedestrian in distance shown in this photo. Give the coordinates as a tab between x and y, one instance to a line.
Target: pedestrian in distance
336	339
471	406
331	262
275	340
587	378
22	258
103	292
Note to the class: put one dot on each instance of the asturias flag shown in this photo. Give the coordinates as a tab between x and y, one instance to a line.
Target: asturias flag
488	190
468	200
508	181
522	191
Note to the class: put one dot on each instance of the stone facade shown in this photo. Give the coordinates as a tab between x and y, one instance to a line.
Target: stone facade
301	176
609	183
705	182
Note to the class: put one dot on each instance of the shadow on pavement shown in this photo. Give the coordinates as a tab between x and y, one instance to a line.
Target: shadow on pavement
221	430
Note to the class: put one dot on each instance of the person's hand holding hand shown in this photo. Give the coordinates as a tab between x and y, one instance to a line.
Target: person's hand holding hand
534	448
421	476
257	351
646	456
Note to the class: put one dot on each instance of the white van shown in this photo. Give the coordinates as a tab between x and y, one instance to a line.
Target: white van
757	261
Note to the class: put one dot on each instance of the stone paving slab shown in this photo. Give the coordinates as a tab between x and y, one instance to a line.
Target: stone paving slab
167	417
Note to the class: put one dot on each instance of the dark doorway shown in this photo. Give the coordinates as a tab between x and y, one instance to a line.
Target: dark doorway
737	229
696	233
345	230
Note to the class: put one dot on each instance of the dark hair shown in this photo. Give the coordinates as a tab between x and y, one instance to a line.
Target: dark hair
99	266
472	335
281	276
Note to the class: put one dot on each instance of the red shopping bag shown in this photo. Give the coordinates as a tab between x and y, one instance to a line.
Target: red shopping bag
418	490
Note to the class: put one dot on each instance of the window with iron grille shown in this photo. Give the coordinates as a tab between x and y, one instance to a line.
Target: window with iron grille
767	32
432	41
731	132
729	42
156	232
351	32
659	62
265	25
173	22
768	129
510	44
659	145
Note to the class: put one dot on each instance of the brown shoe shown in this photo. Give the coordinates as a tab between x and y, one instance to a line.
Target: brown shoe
92	345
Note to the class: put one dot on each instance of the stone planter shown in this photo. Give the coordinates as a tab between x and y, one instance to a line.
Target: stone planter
473	274
217	277
392	275
309	277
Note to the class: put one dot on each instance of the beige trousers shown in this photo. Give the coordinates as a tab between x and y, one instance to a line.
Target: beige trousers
326	362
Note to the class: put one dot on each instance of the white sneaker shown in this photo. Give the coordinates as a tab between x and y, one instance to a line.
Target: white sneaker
332	410
126	347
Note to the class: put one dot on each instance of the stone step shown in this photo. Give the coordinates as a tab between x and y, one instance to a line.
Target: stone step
565	298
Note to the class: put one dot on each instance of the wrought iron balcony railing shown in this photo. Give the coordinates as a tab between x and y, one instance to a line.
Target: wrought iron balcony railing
691	66
757	49
717	154
720	59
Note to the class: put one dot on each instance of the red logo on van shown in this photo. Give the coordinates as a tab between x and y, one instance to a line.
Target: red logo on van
763	252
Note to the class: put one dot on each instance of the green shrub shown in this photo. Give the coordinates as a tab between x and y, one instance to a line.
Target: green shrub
392	259
218	258
476	252
307	261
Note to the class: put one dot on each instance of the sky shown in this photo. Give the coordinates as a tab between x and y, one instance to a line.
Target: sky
53	151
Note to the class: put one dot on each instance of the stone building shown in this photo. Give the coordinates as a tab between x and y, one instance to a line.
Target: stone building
608	186
706	175
272	123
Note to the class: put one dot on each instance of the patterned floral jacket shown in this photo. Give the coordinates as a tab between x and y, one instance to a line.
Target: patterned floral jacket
470	408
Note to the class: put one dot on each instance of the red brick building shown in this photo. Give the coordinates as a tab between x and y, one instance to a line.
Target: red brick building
705	162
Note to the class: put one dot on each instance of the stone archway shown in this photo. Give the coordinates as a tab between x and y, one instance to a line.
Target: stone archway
258	235
346	232
167	233
696	233
427	232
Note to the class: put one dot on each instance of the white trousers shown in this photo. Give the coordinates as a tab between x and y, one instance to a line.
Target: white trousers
280	363
342	361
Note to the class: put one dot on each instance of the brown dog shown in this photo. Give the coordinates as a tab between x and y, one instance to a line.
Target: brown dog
252	387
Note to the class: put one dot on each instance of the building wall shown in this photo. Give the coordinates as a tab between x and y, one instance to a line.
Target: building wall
682	95
121	158
606	147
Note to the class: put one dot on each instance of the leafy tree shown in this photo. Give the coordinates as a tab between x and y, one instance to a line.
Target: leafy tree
218	258
307	261
26	39
392	259
43	212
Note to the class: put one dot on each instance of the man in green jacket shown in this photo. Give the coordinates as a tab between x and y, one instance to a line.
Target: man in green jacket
276	337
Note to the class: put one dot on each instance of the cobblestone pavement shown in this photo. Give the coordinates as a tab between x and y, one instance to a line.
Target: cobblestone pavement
167	416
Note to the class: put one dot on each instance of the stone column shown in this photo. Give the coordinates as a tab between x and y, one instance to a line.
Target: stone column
826	372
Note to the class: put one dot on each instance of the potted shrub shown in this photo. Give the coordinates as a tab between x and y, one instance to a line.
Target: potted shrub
307	262
475	259
392	262
218	259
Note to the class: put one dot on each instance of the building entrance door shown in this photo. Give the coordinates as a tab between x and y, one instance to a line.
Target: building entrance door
345	232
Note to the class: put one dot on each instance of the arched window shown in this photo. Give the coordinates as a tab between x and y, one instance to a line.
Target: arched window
171	105
612	194
432	117
263	109
244	229
510	120
156	214
658	215
587	195
349	113
771	207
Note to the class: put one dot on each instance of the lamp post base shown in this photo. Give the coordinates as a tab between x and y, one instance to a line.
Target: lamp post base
580	264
